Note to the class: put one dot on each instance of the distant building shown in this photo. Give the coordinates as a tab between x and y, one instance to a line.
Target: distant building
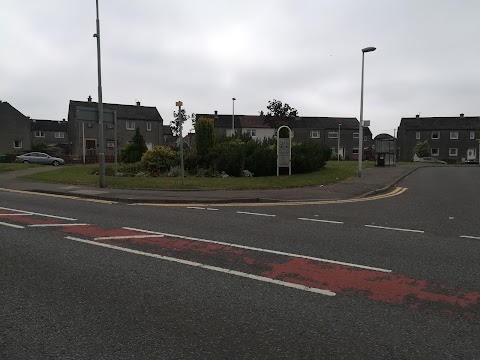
14	129
129	117
50	133
321	129
451	139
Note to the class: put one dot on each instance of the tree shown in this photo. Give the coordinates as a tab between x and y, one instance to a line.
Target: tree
278	113
204	135
175	123
133	151
422	148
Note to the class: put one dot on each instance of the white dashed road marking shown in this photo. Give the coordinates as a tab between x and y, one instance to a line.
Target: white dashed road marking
127	237
40	214
396	229
252	213
470	237
56	225
12	225
324	221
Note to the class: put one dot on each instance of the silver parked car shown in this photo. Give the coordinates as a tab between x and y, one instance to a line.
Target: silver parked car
430	160
39	158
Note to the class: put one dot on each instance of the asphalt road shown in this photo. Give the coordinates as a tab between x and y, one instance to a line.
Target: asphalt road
395	277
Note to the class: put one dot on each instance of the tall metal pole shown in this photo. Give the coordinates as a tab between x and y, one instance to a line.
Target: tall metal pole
360	126
338	147
101	147
233	116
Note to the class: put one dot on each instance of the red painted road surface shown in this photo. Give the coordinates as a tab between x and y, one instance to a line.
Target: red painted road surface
341	279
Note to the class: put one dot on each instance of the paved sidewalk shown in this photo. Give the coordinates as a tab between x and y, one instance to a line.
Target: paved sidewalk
374	180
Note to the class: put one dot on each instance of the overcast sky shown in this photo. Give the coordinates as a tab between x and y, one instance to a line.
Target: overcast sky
306	53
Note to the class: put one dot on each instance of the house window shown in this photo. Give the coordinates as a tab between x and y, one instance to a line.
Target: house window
454	135
472	135
17	144
59	135
149	126
435	134
110	144
355	151
315	134
251	132
453	152
332	135
39	133
365	138
130	125
417	135
435	151
355	135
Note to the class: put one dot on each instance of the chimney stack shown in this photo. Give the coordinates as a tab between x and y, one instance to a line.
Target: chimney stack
138	103
462	115
417	116
89	98
216	114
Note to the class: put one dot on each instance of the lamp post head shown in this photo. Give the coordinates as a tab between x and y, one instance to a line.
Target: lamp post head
369	49
234	99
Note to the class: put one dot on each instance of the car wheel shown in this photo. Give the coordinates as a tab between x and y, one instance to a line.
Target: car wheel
55	163
26	162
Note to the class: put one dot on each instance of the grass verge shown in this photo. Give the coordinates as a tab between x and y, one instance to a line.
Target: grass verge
81	175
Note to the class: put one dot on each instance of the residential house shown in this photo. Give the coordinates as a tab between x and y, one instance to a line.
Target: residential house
14	129
84	134
326	130
50	133
451	139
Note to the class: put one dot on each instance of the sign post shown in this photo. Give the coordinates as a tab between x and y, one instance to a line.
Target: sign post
284	150
180	124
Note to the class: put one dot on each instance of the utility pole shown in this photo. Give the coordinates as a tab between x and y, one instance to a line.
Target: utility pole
101	147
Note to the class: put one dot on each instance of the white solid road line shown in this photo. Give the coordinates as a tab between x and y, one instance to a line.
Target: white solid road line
324	221
40	214
201	208
207	267
12	225
396	229
470	237
252	213
56	225
127	237
264	250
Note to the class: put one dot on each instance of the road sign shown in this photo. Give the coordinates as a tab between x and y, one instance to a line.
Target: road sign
91	114
284	151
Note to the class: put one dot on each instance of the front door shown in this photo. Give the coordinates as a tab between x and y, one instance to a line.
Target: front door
471	154
91	150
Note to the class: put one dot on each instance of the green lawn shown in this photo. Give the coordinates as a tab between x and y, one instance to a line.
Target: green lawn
6	167
80	175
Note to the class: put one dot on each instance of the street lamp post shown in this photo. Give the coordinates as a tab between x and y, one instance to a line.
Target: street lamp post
360	126
101	150
180	125
233	116
338	147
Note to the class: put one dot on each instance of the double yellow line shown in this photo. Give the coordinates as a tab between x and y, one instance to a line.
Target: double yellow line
395	192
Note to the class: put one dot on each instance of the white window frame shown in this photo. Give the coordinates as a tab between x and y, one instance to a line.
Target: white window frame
472	135
149	145
314	134
332	134
20	144
251	132
417	135
130	123
149	126
356	135
436	152
59	135
454	135
437	133
355	151
110	144
40	134
453	153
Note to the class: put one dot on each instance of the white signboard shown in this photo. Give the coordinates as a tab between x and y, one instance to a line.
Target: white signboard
284	151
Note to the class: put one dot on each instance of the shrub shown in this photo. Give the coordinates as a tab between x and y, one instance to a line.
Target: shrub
229	156
204	136
309	156
175	171
133	151
130	169
109	170
159	159
262	161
